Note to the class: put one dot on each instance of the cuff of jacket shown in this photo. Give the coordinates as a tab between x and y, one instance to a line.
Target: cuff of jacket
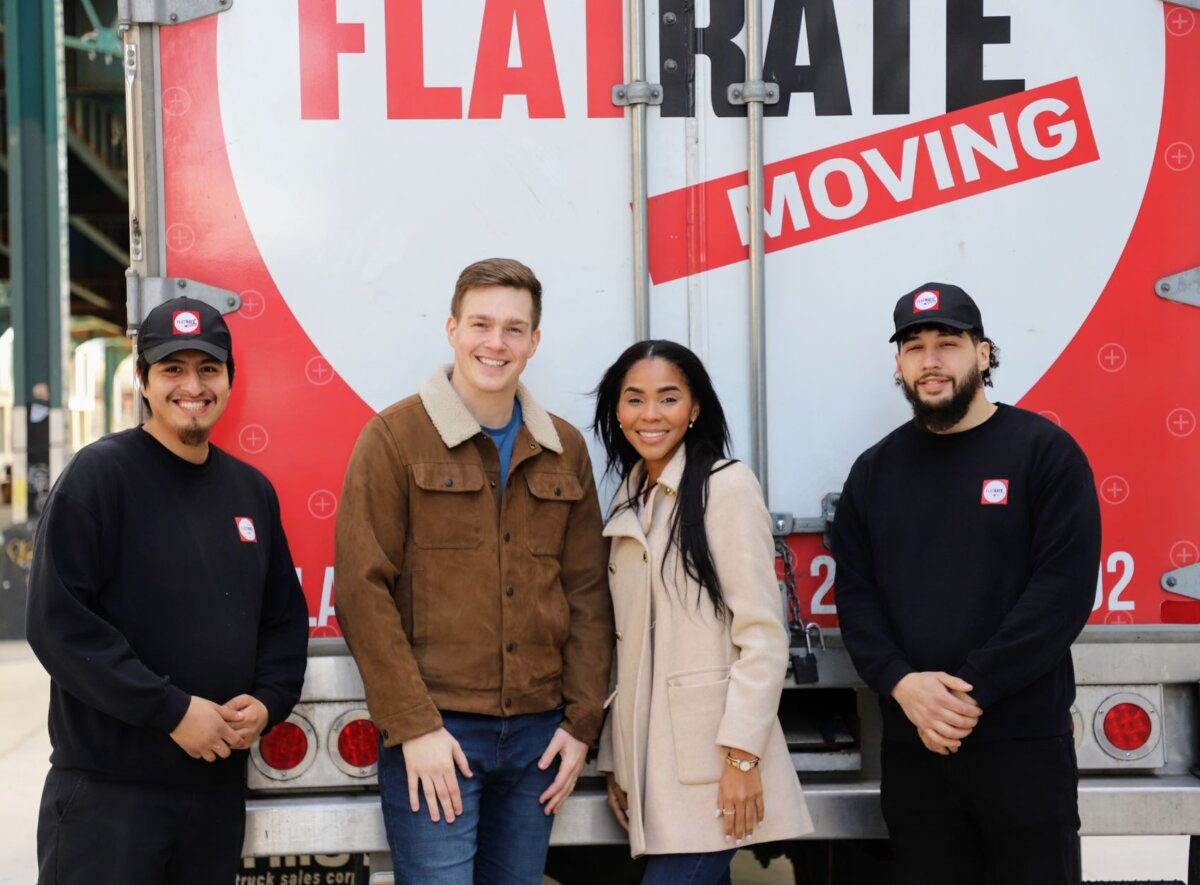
582	723
408	724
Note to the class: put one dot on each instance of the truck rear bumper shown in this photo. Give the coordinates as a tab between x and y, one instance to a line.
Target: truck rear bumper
336	824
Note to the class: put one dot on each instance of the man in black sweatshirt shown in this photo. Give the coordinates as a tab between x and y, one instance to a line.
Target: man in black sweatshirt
967	543
164	604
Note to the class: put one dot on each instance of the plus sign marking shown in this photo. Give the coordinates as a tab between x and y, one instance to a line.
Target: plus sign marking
322	504
253	304
318	371
1112	357
1051	416
1114	489
176	101
1180	22
180	237
1184	553
1181	422
1179	156
253	438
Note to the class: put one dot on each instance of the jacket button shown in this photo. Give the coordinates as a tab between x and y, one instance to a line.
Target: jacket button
644	557
493	483
508	591
533	445
447	482
507	536
612	568
385	734
508	702
557	492
619	636
512	646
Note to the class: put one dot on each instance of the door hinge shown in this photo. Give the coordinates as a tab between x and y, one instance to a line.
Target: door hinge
166	12
142	295
1183	581
785	524
1183	287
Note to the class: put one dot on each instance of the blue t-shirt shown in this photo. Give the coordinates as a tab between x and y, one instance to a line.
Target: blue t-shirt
504	437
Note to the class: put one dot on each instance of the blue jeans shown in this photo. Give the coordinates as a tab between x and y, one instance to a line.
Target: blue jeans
709	868
503	833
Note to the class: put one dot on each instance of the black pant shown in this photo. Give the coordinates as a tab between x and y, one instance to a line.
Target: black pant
96	832
999	812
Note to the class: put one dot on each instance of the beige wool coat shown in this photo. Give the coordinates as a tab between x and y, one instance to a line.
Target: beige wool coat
688	684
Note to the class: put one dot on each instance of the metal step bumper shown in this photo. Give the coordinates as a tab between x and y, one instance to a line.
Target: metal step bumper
333	824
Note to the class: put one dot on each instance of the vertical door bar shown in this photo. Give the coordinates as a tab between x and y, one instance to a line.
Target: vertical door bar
758	324
641	248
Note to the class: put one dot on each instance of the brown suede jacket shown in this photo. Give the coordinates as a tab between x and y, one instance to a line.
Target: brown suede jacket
452	596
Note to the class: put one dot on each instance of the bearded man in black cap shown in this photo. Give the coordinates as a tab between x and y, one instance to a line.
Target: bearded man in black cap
164	604
967	542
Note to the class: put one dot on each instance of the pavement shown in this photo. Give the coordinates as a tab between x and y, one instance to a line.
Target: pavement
25	751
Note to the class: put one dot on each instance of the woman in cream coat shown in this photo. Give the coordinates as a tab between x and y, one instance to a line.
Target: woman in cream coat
696	760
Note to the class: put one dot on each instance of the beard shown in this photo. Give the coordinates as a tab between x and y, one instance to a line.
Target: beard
941	416
193	435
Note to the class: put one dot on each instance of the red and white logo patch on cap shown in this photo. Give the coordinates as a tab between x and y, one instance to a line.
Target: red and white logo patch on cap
927	300
186	322
995	491
245	527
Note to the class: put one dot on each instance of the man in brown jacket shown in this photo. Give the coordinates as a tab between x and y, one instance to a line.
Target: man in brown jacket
472	591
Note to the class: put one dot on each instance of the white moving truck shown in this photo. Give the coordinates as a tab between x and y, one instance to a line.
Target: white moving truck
759	180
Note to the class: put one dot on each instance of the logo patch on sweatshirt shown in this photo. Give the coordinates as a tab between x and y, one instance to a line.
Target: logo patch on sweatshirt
995	491
245	527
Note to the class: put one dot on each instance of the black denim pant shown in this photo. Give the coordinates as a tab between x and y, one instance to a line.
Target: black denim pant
99	832
998	812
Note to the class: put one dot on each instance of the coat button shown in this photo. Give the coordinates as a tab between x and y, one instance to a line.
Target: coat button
533	445
447	482
508	702
612	568
493	483
508	591
385	734
557	492
619	636
644	557
507	536
511	647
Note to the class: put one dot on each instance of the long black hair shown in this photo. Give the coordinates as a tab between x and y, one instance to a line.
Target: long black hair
705	443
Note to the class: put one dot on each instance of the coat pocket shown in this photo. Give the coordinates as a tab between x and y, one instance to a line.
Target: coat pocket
697	703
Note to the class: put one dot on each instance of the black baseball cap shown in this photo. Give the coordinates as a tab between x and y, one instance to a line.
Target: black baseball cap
941	304
183	324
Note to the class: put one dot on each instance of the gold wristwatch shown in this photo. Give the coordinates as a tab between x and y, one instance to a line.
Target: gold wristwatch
742	765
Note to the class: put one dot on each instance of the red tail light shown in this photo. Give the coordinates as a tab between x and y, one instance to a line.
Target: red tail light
1127	726
284	746
358	743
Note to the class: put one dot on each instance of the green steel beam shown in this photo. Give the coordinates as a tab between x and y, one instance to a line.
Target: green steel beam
37	195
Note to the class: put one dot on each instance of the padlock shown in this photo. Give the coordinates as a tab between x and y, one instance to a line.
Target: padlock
804	666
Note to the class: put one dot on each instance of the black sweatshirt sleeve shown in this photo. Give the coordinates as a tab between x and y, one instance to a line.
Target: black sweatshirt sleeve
862	613
1050	613
83	653
282	631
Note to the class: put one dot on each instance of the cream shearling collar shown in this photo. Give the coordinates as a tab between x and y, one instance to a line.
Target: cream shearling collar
456	425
